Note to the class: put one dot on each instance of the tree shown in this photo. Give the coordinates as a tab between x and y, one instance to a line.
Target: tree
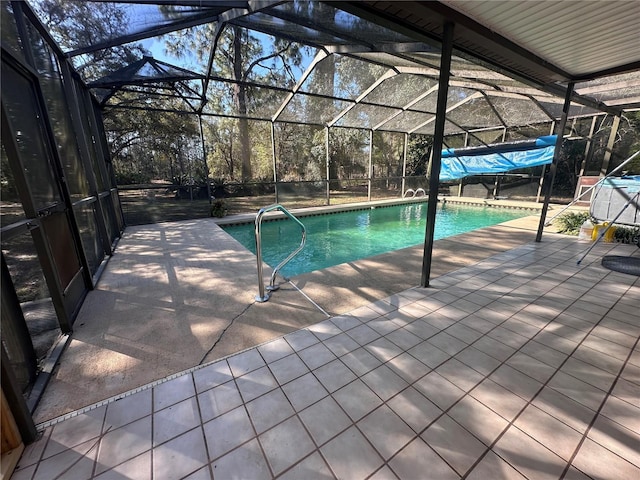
221	134
223	144
387	154
145	145
148	145
628	143
348	153
75	24
300	152
242	57
418	153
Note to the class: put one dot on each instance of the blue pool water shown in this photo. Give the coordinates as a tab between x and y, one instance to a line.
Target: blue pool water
342	237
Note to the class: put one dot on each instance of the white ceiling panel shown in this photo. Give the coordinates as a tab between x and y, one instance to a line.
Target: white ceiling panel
579	37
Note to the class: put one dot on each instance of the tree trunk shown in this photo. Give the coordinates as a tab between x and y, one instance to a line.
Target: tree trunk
325	73
240	94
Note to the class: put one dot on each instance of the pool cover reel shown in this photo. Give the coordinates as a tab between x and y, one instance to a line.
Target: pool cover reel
498	158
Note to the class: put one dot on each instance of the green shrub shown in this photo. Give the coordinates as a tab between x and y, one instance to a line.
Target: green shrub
570	223
218	208
132	178
630	235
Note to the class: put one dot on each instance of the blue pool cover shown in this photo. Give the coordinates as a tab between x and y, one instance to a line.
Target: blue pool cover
463	162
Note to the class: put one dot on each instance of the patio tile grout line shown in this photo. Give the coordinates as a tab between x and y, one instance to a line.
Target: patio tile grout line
598	413
43	425
102	434
529	402
486	377
295	414
329	394
246	412
384	402
201	427
503	362
354	423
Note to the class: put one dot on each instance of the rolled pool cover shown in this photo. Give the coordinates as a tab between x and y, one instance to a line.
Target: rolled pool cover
496	158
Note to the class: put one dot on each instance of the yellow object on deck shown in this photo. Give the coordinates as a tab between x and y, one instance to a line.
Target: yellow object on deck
608	236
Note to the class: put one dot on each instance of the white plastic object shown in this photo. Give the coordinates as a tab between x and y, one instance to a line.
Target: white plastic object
586	230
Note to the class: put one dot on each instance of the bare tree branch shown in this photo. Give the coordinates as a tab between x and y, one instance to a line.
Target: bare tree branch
258	61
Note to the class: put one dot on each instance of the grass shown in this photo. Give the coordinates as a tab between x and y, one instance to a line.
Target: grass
142	207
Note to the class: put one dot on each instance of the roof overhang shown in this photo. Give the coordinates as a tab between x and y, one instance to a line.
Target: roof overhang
547	44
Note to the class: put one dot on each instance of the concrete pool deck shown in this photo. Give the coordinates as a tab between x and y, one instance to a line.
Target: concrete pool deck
180	294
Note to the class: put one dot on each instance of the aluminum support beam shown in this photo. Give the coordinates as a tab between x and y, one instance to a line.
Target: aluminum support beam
497	182
587	148
461	182
406	107
434	171
473	96
321	55
370	165
551	173
212	52
204	158
193	21
328	160
274	160
15	399
544	168
610	144
404	162
388	74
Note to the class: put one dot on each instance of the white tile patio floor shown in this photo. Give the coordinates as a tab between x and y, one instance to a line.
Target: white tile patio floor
524	365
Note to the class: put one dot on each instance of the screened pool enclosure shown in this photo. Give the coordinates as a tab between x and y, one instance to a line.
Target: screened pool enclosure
110	109
306	104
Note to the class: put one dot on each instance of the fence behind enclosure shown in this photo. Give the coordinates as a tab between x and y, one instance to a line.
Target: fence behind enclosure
143	204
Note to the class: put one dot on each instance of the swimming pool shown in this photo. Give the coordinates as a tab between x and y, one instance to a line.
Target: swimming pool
337	238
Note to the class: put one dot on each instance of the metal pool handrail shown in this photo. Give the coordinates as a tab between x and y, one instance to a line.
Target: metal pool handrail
262	296
414	193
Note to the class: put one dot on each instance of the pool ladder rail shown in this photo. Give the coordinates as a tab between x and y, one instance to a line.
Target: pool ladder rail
262	295
411	193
